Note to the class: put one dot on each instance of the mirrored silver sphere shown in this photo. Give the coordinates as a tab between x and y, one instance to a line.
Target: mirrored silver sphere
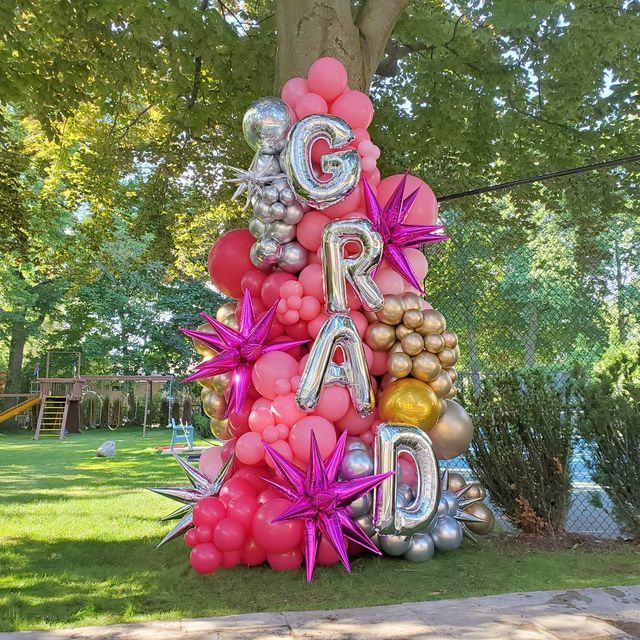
394	545
293	257
265	252
281	231
356	464
447	534
421	548
265	125
293	214
361	506
256	227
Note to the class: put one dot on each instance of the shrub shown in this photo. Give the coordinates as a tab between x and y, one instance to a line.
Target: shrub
522	447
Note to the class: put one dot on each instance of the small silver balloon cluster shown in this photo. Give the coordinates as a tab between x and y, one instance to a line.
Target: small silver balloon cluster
276	210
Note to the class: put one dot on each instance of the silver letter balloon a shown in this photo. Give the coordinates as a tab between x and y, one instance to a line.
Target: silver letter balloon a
389	517
344	166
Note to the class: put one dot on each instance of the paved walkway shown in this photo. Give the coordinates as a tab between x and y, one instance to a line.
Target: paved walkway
587	614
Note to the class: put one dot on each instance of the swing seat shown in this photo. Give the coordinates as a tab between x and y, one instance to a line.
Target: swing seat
181	433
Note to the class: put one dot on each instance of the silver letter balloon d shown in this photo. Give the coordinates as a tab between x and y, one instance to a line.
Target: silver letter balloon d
390	518
344	166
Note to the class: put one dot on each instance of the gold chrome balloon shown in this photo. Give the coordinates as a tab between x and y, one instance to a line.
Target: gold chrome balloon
221	382
453	432
453	374
443	408
426	366
442	384
392	311
402	331
450	339
397	347
224	310
432	322
213	404
380	336
412	301
476	491
480	510
205	382
399	365
231	321
412	344
447	357
409	401
434	342
456	481
200	347
220	428
412	318
453	392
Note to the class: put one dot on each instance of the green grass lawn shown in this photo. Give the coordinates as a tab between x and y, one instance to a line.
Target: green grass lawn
78	536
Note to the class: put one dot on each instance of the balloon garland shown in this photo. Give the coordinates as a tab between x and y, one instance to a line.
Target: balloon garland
331	381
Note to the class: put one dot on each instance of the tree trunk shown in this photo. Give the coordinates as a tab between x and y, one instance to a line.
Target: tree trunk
19	335
531	337
620	302
310	29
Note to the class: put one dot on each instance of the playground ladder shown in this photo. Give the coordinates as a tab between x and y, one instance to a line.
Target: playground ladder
52	417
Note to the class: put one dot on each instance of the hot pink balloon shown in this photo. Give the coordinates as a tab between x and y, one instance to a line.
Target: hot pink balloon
268	368
355	107
210	461
278	537
285	561
231	558
327	555
424	210
300	437
327	77
228	534
236	487
310	103
253	281
249	448
294	89
271	287
205	558
229	260
252	554
408	472
208	511
310	228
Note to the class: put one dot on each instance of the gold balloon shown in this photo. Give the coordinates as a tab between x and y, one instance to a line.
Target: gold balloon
392	311
476	491
369	315
402	331
426	366
453	392
399	365
409	401
412	318
453	432
412	301
453	374
481	510
205	382
447	357
213	405
434	342
220	428
224	310
397	347
204	350
442	384
380	336
432	322
221	382
231	321
450	339
443	408
456	481
412	344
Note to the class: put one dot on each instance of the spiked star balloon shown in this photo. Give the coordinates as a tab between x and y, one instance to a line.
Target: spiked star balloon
388	222
321	501
238	350
201	487
462	516
252	180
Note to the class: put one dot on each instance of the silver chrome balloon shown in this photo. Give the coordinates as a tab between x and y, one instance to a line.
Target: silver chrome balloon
447	534
394	545
357	270
277	211
281	231
262	210
266	124
366	523
270	194
287	196
361	506
390	517
407	492
256	227
266	165
293	257
338	331
354	443
450	503
293	214
344	166
421	548
265	252
356	464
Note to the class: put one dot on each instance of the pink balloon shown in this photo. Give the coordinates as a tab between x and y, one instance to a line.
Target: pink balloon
249	448
293	89
334	403
228	534
260	418
229	260
349	204
205	558
297	331
204	533
285	561
300	436
253	280
271	287
355	107
253	476
236	487
327	555
231	558
190	538
368	165
271	434
310	103
368	354
286	411
379	366
374	179
278	537
268	368
353	302
310	228
424	209
368	437
268	495
389	281
315	325
418	262
354	424
310	308
210	461
361	136
252	554
311	280
208	511
283	449
327	77
360	321
408	471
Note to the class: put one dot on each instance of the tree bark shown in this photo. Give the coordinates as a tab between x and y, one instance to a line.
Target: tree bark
19	335
310	29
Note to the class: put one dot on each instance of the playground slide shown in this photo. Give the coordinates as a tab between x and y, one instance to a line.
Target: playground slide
19	408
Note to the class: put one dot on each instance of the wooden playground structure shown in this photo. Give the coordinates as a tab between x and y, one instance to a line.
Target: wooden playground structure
59	398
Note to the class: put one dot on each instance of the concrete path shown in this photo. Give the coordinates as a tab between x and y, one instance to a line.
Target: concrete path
587	614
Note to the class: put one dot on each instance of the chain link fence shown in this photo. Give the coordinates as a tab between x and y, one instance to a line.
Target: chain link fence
536	296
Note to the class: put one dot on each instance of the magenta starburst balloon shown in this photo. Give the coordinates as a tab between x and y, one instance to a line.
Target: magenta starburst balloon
321	501
388	221
237	350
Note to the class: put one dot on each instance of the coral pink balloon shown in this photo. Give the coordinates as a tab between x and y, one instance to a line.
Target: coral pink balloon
327	77
379	366
252	554
368	354
208	511
278	537
269	368
368	165
389	281
424	209
354	424
349	204
249	448
283	449
355	107
205	558
353	302
271	287
297	331
285	561
310	103
228	449
228	534
360	321
310	308
253	476
310	228
418	262
320	148
293	90
315	325
334	403
361	136
229	260
300	436
286	411
368	437
260	418
210	461
271	434
311	280
231	558
374	179
236	487
253	280
326	553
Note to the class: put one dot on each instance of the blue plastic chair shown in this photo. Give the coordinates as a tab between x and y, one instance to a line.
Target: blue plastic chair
181	433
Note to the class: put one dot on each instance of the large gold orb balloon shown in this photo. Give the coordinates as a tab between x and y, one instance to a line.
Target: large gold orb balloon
224	310
456	481
392	311
450	339
453	432
447	357
399	365
412	344
409	401
412	301
380	336
442	384
480	510
426	366
432	322
213	404
434	343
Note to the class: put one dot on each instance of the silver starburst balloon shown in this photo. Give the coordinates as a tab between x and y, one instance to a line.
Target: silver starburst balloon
256	178
201	487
